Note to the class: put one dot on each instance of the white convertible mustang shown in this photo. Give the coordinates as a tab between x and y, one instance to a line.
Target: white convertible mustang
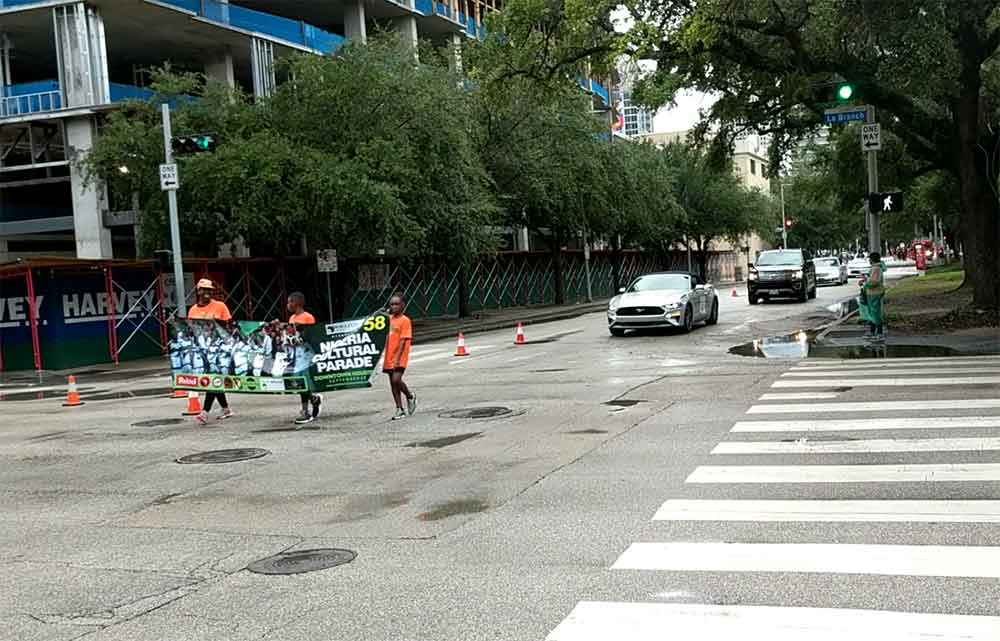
664	299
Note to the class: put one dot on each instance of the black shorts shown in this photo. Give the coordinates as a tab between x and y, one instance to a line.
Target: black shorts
394	370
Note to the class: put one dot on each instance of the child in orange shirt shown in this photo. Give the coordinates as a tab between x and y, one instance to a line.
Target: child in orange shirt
207	308
397	356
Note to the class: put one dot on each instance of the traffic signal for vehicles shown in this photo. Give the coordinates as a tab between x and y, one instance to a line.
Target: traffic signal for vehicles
195	144
840	93
789	223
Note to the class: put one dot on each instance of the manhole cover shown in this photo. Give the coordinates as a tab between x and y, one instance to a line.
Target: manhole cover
159	422
478	412
300	561
224	456
445	441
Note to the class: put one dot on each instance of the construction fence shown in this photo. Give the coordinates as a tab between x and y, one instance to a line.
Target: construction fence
59	314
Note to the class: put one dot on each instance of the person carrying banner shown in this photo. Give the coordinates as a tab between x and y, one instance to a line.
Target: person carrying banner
207	308
311	403
397	356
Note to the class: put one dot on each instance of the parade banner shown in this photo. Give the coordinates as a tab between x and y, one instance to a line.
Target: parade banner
275	358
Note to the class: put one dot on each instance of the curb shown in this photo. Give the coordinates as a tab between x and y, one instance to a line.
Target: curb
487	325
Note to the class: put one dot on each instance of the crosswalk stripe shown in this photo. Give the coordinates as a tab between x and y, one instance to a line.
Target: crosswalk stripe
898	362
798	396
896	560
605	621
902	473
831	511
908	381
877	406
805	446
865	424
895	372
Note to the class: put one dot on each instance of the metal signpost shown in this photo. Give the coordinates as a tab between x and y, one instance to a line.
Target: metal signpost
169	182
871	142
326	263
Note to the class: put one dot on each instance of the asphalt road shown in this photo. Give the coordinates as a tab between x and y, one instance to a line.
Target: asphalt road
536	524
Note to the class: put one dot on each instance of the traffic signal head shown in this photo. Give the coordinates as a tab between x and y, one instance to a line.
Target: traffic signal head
835	93
845	92
195	144
789	223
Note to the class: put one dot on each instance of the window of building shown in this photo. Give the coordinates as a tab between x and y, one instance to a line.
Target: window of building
753	167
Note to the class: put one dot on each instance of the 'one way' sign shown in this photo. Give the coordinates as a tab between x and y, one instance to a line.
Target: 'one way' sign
888	202
871	137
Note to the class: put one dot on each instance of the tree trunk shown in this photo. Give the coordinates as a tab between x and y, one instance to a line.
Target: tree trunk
616	264
557	267
463	289
701	256
980	225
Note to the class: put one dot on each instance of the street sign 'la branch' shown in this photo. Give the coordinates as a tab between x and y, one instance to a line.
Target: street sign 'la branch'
843	114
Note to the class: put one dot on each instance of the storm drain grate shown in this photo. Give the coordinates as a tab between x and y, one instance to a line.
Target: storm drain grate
445	441
224	456
300	561
159	422
477	412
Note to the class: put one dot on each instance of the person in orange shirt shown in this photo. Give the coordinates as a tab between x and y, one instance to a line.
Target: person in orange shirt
207	308
299	316
397	356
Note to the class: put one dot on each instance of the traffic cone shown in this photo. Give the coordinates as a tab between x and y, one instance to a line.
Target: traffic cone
72	396
194	405
519	336
179	393
461	351
734	294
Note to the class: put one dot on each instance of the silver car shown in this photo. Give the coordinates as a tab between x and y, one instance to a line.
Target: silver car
663	299
830	271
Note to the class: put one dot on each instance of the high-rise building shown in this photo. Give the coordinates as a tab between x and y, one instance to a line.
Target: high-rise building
65	64
638	121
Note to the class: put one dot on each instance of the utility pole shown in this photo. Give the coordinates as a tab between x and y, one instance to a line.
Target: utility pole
175	229
874	217
784	220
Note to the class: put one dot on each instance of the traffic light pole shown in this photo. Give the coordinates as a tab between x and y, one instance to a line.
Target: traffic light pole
175	228
873	217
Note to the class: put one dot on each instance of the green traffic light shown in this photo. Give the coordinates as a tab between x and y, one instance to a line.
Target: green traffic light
844	92
203	143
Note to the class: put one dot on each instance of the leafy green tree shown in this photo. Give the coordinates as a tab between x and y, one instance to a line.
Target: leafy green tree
928	66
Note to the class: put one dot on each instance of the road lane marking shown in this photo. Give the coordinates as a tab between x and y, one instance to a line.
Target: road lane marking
604	621
903	473
896	362
805	446
862	424
894	372
798	396
890	382
975	561
831	511
876	406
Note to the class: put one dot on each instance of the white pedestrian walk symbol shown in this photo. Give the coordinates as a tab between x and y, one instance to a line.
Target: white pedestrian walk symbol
887	203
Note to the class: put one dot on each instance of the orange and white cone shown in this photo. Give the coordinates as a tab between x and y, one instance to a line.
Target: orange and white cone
194	405
519	336
460	350
72	396
179	393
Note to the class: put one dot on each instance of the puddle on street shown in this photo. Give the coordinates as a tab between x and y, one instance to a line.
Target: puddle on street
800	345
454	508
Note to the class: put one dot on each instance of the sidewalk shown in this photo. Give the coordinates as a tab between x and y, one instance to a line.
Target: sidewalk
433	329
